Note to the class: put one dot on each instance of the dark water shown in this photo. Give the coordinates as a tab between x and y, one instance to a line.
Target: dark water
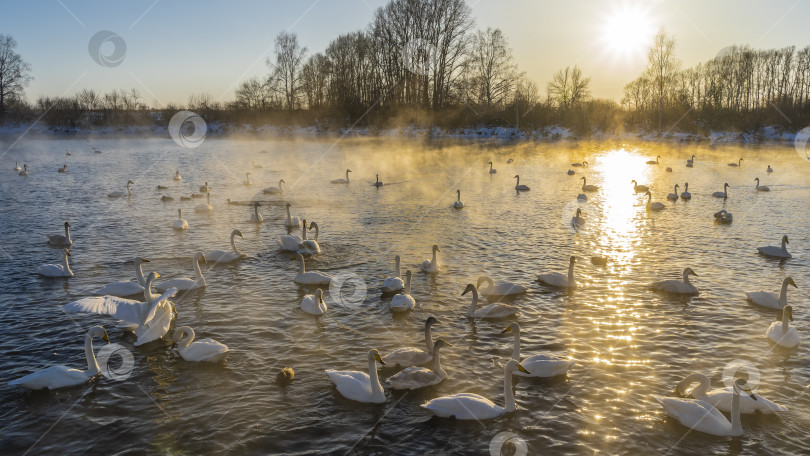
628	343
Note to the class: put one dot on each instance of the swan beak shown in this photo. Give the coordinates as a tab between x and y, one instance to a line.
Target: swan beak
508	328
144	260
106	338
379	360
465	292
203	259
523	369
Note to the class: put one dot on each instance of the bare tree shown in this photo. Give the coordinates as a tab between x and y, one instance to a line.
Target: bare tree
289	60
663	68
568	87
14	73
493	72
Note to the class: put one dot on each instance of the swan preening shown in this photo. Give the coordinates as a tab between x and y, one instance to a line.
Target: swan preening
457	203
310	247
359	386
685	193
185	284
489	312
498	290
431	265
343	181
207	350
519	187
739	163
467	406
256	217
491	169
121	194
536	365
413	377
676	286
724	217
412	356
275	190
127	287
311	277
57	270
404	301
639	188
761	188
778	252
653	206
704	417
770	299
55	377
781	333
59	240
673	196
721	398
555	279
224	257
587	187
314	304
180	223
394	283
723	194
177	176
291	222
378	183
205	207
654	162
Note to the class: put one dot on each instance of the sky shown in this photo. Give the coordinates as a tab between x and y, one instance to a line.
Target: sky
175	48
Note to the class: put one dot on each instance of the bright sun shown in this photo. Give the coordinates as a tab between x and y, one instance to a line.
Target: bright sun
627	31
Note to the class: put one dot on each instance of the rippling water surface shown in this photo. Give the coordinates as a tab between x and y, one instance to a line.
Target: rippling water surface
628	342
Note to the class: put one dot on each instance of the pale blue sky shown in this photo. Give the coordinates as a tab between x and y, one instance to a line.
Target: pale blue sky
175	48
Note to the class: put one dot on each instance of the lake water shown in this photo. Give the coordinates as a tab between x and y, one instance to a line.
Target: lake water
628	342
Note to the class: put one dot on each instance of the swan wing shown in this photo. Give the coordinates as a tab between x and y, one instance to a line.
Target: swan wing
407	356
221	256
554	279
205	350
157	302
121	289
289	242
127	310
763	298
313	278
52	378
464	406
392	284
352	385
414	378
696	414
181	284
402	302
721	399
496	311
787	339
544	366
157	327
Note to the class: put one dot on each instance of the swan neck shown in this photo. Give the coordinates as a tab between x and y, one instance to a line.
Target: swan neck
783	295
428	339
571	274
397	271
233	242
92	364
516	346
67	234
433	262
198	271
347	176
304	232
784	245
301	268
473	304
139	274
508	395
289	218
436	367
66	264
147	292
376	388
785	322
736	424
186	341
317	231
686	278
407	286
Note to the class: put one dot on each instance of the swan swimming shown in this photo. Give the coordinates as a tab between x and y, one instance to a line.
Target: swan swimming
769	170
310	247
119	194
291	242
343	181
57	270
654	162
685	193
770	299
432	265
676	286
224	257
571	172
359	386
256	217
24	171
761	188
723	194
403	302
673	196
413	377
781	333
314	304
275	190
205	207
17	167
247	181
690	162
577	165
577	221
739	163
704	417
255	166
378	183
207	350
491	169
555	279
721	398
587	187
457	203
500	289
60	240
180	223
536	365
395	283
185	284
519	187
56	377
205	188
127	287
177	176
492	311
778	252
468	406
312	277
63	169
412	356
639	188
653	206
291	222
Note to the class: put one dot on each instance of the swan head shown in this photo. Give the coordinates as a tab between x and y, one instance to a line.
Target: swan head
726	185
99	331
439	344
756	179
431	320
584	162
573	259
484	279
689	271
785	239
677	187
513	365
789	281
289	205
138	260
514	326
741	385
373	354
788	309
680	388
436	248
583	178
516	177
181	332
319	294
67	252
235	233
313	225
256	204
67	225
130	183
200	257
579	212
348	170
470	287
634	182
281	182
152	277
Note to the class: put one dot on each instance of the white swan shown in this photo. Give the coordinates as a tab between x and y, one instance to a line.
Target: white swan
403	301
255	166
555	279
310	246
721	398
577	221
180	223
24	171
761	188
770	299
127	287
57	270
247	180
55	377
583	164
769	170
395	283
457	203
60	240
778	252
378	183
685	193
205	188
63	169
17	167
291	222
414	377
654	162
491	169
224	257
343	181
739	163
653	206
314	304
67	152
690	162
723	194
781	333
291	242
431	265
723	216
412	356
639	188
205	207
207	350
498	290
536	365
359	386
468	406
519	187
128	193
704	417
275	190
312	277
256	217
673	196
587	187
677	286
177	176
492	311
185	284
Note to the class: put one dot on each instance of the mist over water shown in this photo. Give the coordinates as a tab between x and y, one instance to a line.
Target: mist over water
628	342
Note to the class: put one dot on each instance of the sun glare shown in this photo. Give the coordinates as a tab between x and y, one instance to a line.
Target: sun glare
627	31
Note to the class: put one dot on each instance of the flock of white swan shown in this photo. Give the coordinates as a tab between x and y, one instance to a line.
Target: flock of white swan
150	319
